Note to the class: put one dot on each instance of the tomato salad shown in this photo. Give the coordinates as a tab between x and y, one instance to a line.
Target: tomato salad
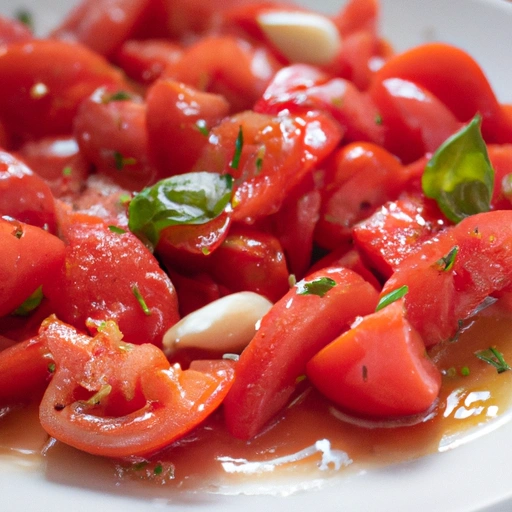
207	207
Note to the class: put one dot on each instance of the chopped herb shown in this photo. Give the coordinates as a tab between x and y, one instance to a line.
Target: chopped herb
259	159
51	367
141	301
365	373
193	198
493	357
391	297
446	262
124	199
116	96
464	371
292	280
300	379
319	286
26	18
117	230
121	162
205	250
100	395
239	143
67	171
30	304
378	119
460	176
140	465
158	469
201	126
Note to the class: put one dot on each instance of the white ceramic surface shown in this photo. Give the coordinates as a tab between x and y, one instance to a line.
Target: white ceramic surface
473	477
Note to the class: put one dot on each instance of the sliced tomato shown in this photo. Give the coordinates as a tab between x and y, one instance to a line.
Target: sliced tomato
110	398
457	80
25	369
112	276
179	120
296	328
24	196
452	273
14	31
31	258
378	368
44	81
268	156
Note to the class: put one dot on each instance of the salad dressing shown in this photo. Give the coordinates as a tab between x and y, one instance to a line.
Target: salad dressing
310	443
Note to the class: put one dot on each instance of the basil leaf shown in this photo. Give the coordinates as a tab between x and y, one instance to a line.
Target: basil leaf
319	286
193	198
459	176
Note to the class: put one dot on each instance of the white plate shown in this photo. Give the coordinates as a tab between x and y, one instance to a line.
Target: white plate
473	477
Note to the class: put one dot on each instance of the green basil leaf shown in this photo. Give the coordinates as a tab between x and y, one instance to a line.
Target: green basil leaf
391	297
319	286
30	304
193	198
459	176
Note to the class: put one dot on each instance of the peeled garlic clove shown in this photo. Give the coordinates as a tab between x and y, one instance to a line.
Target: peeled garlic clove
224	325
302	36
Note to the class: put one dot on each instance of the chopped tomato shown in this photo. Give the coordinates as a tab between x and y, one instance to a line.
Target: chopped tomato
128	402
378	368
295	329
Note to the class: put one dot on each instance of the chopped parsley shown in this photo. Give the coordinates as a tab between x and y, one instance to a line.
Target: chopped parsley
141	301
116	96
446	262
319	286
121	162
239	144
117	230
201	126
391	297
493	357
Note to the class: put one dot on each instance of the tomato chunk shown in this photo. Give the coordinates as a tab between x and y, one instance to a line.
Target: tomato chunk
377	368
114	399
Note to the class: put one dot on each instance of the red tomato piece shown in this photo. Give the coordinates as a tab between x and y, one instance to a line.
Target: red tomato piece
501	160
179	120
365	177
145	61
396	230
464	88
451	274
250	260
274	157
207	65
44	81
378	368
114	399
24	195
112	276
112	135
294	330
14	31
300	88
31	257
25	369
358	15
102	25
415	121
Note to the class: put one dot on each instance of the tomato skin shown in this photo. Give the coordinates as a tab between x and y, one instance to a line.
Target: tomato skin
24	371
464	89
102	269
73	74
179	114
207	65
112	135
149	404
364	178
250	260
396	230
31	257
378	368
438	300
102	25
500	156
277	153
295	329
13	31
415	121
24	195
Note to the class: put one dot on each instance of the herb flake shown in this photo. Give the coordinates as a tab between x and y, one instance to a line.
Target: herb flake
141	301
493	357
391	297
319	286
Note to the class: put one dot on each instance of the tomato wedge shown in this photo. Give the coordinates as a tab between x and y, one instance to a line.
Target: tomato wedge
378	368
306	319
115	399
